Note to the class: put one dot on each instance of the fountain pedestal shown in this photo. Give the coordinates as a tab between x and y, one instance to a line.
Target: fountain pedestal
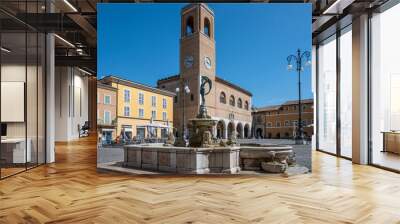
201	129
200	132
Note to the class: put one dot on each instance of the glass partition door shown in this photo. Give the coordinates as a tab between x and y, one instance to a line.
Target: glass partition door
346	95
14	145
334	102
327	95
385	89
22	100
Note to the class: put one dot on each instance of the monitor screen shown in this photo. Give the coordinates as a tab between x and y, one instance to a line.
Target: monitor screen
3	129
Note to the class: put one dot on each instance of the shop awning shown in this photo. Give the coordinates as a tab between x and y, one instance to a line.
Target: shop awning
153	126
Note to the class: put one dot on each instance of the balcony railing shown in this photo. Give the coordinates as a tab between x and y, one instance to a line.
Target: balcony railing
101	122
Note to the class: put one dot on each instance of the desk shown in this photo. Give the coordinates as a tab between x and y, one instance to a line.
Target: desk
391	141
13	150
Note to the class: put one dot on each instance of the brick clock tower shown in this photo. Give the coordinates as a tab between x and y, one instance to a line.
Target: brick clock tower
197	57
228	103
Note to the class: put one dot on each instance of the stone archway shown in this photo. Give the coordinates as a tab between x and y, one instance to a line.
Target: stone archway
221	129
239	130
231	128
259	133
246	131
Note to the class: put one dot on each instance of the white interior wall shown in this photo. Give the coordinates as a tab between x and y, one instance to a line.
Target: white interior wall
71	102
61	103
80	104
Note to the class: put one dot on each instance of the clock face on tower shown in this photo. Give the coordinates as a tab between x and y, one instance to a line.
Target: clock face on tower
188	62
207	62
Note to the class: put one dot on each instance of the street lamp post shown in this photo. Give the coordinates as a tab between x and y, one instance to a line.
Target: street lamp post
185	90
301	59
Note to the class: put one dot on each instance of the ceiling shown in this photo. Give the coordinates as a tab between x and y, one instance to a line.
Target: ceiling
330	15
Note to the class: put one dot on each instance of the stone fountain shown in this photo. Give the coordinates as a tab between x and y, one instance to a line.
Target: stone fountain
200	128
205	154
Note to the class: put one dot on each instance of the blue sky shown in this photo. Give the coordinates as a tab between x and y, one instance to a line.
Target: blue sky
140	42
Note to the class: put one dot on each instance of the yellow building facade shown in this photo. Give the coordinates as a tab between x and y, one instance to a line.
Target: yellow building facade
142	111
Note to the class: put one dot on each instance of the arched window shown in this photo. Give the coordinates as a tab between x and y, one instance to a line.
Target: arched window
239	104
207	27
232	100
189	26
222	98
246	105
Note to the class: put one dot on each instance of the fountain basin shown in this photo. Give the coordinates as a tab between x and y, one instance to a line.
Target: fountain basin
186	160
252	156
218	159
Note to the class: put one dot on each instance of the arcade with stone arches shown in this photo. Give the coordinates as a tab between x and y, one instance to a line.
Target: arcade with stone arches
225	127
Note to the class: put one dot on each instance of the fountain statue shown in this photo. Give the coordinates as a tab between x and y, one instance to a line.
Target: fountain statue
203	110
